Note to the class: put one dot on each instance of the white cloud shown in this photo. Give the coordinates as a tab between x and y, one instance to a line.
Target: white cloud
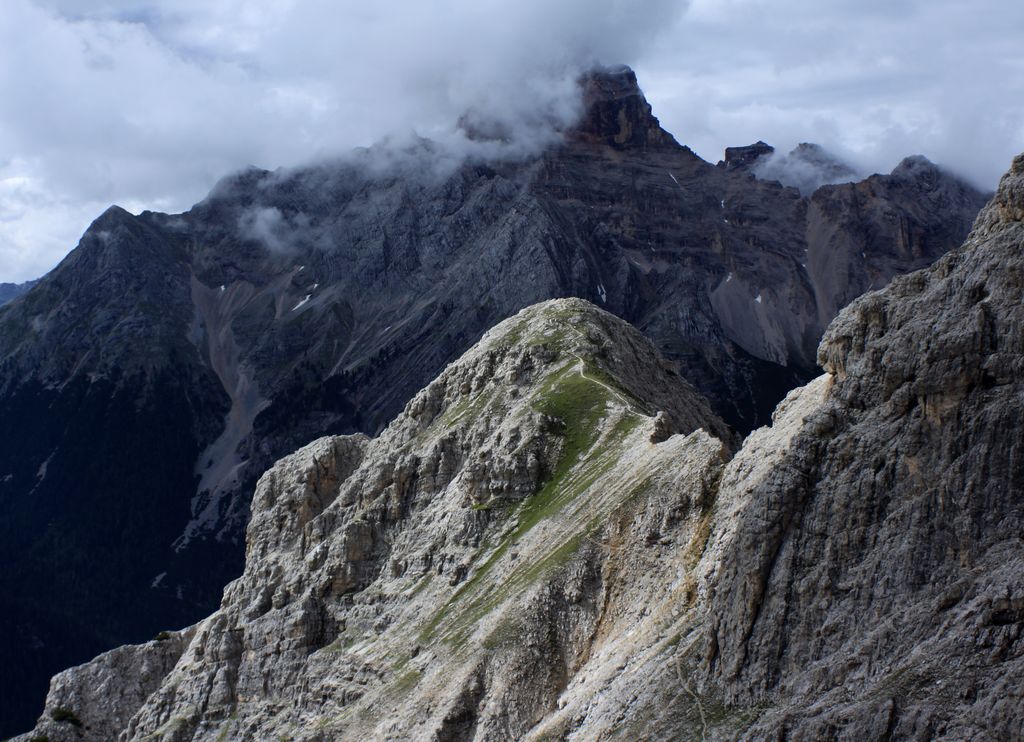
146	103
873	80
149	102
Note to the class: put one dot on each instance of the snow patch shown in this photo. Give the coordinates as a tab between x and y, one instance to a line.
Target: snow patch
157	580
723	203
602	293
302	302
222	287
41	472
758	298
676	180
729	277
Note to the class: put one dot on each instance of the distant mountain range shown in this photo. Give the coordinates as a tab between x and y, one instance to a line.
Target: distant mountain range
9	291
149	379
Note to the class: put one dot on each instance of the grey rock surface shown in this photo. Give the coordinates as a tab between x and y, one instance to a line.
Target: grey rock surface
746	158
874	585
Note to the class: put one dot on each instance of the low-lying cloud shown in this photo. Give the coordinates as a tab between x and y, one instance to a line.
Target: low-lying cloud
806	168
871	80
147	103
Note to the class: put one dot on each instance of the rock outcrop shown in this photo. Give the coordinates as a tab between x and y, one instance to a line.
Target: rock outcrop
527	553
745	158
291	305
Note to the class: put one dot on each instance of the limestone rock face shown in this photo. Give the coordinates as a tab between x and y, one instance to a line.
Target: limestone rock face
616	114
85	701
874	584
527	552
744	158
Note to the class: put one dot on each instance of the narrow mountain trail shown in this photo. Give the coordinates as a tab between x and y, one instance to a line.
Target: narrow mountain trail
581	371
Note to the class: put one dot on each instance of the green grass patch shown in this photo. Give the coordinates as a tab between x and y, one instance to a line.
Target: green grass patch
62	715
515	335
506	631
471	405
408	681
343	643
422	584
581	404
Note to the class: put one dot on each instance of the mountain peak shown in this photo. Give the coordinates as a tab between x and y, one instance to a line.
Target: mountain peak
743	158
915	166
616	113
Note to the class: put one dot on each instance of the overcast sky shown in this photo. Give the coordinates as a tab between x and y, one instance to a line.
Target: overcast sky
146	103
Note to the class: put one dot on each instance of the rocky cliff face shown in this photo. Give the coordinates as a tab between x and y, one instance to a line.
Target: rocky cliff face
529	551
876	587
295	304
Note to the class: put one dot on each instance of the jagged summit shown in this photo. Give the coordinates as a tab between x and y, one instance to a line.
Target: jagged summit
920	169
744	158
612	112
616	113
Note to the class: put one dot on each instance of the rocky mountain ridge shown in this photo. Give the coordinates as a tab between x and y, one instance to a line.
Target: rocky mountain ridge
317	301
851	572
441	520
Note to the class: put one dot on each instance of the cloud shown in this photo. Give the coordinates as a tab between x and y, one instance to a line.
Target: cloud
807	168
264	224
872	80
147	103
